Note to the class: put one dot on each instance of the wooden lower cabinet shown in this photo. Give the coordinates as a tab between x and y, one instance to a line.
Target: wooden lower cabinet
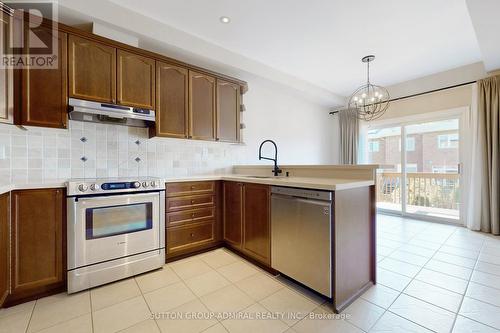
247	226
233	213
38	243
256	222
192	217
4	247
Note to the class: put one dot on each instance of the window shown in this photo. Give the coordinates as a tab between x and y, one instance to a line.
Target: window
373	146
446	141
410	143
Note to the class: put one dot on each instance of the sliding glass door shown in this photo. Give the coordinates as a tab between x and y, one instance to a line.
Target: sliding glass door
420	168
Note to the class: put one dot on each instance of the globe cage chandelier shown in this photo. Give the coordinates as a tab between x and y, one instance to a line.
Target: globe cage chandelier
370	101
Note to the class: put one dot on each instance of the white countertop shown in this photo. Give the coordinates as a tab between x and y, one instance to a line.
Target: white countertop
330	184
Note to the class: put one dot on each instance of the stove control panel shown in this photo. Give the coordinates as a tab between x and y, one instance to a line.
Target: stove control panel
93	187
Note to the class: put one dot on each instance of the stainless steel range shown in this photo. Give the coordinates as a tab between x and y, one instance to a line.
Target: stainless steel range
116	229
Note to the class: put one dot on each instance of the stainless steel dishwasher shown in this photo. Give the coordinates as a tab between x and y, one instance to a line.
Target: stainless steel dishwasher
301	236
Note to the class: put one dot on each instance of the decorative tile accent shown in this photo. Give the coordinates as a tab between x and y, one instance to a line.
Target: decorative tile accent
38	154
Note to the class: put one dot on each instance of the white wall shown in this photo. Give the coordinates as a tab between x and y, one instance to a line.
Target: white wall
302	130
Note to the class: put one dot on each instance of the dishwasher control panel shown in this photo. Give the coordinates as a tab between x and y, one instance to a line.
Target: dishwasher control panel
302	193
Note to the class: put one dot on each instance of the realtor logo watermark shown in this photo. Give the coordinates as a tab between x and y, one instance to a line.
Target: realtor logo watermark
29	38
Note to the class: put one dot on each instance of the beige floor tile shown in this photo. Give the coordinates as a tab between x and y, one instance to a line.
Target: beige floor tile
392	280
423	313
157	279
259	286
484	293
65	306
255	319
363	314
288	303
380	295
219	258
82	324
120	316
455	260
418	250
322	321
15	322
169	297
113	293
206	283
449	269
28	306
465	325
146	326
185	322
459	252
492	259
481	312
487	268
409	258
442	280
188	269
434	295
486	279
237	271
399	267
391	323
227	299
218	328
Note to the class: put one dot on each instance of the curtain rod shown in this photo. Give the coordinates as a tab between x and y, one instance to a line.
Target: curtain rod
422	93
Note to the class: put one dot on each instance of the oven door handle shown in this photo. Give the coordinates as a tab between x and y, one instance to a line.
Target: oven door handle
121	199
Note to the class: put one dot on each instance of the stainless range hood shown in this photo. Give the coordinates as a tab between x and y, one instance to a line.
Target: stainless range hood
96	112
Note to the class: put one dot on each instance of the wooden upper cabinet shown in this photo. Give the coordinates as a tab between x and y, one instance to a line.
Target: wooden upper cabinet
91	70
44	92
171	101
201	106
232	213
256	222
135	80
37	242
228	111
4	247
6	76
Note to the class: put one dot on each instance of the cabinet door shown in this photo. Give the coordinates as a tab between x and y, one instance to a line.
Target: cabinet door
6	76
201	106
256	222
171	101
45	91
228	111
232	210
91	70
38	240
4	247
135	80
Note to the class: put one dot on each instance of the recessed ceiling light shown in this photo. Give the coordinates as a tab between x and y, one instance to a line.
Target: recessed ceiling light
225	19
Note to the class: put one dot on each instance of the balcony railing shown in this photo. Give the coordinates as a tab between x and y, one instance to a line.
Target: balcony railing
424	189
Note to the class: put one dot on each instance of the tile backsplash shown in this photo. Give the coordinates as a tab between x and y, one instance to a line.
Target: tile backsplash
89	150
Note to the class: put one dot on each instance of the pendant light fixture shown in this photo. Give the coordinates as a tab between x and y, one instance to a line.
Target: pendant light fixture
370	101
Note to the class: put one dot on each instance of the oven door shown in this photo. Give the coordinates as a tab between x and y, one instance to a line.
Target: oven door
110	227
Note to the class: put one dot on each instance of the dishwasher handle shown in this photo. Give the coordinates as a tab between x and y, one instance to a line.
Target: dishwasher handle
302	200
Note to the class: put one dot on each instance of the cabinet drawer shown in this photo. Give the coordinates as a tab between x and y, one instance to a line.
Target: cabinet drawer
190	216
189	202
184	237
190	188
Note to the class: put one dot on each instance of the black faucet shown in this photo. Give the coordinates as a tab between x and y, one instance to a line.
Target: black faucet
276	169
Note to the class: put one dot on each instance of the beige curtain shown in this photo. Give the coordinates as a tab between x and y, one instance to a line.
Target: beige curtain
349	136
489	122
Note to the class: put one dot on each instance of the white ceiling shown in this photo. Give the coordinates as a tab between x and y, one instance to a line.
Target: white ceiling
322	41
